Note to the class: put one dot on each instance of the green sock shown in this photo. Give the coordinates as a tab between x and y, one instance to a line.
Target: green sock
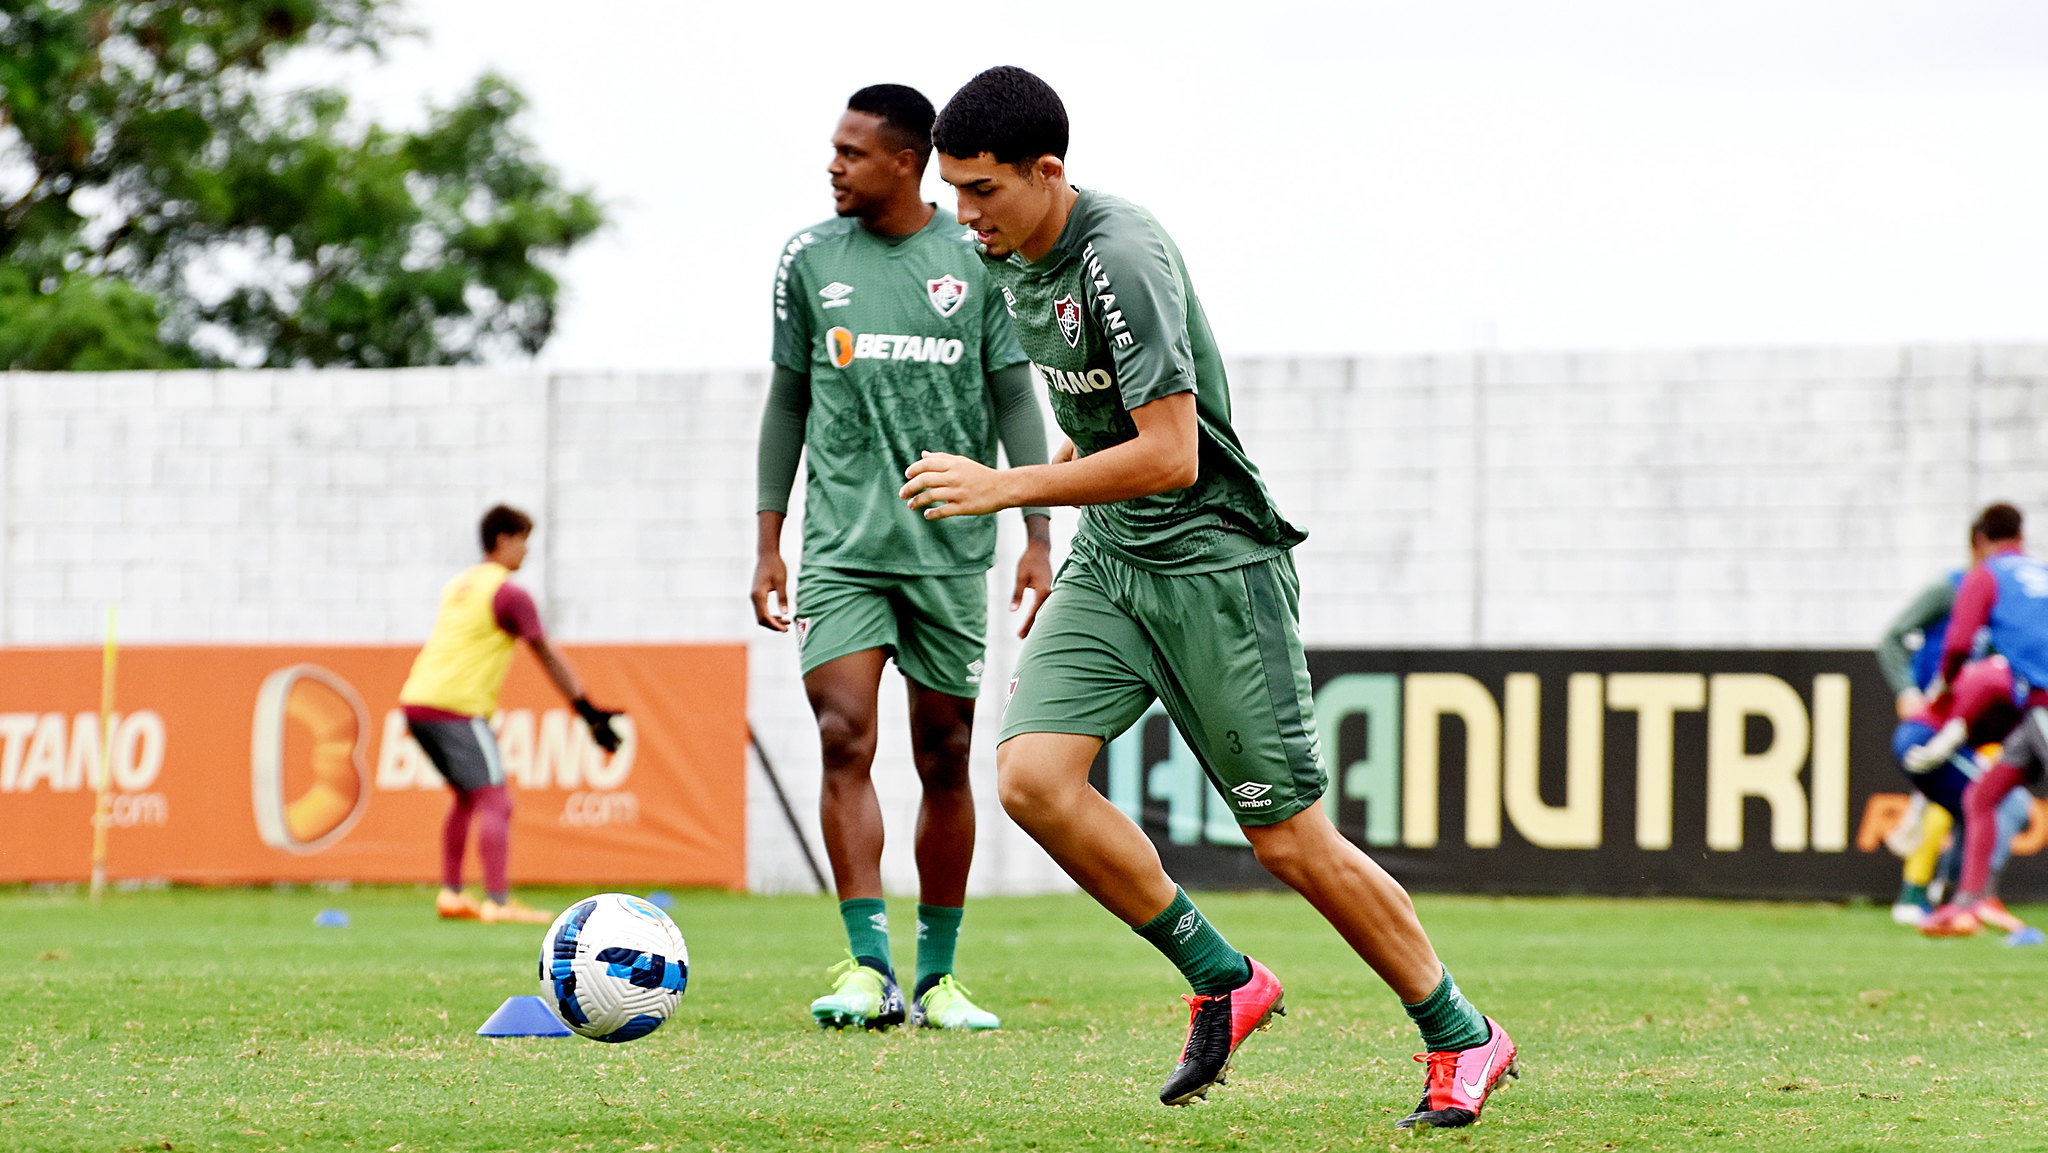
1196	948
1447	1020
867	929
938	930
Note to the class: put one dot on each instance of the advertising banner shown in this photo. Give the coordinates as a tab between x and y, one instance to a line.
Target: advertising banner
241	764
1716	773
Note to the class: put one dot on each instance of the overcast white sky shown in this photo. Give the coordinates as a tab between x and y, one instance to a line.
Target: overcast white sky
1342	177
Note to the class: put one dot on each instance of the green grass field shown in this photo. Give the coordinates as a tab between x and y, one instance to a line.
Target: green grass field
199	1020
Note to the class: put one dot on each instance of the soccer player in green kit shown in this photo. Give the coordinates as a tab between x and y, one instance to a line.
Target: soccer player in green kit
1180	586
890	339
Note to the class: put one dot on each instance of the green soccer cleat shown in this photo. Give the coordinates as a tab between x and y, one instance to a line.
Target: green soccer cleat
862	996
945	1006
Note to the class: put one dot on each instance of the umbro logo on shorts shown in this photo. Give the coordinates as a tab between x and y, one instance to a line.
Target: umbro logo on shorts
974	671
1250	793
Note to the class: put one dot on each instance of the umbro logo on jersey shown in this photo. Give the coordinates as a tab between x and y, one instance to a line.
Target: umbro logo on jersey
836	294
1248	795
1009	302
1067	311
946	293
844	347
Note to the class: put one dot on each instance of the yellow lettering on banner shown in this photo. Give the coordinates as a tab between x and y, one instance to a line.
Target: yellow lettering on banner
1428	697
84	761
1576	823
1773	774
14	731
139	740
558	756
1830	782
1654	698
515	747
45	758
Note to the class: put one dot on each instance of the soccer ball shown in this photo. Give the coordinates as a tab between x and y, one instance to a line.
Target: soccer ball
613	966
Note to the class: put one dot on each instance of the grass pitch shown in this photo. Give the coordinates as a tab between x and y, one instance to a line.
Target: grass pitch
202	1020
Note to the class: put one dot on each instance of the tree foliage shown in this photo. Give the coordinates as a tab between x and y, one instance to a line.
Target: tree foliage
163	201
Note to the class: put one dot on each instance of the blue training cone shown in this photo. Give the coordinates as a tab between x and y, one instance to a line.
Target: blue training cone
661	899
527	1016
2026	935
331	919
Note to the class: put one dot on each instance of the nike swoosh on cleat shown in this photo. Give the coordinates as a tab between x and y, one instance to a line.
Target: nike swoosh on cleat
1477	1089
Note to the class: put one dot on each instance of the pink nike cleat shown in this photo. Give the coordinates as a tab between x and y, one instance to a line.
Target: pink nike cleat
1217	1025
1951	921
1460	1079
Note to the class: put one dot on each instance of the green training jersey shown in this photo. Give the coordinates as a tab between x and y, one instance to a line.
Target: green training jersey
1111	323
897	335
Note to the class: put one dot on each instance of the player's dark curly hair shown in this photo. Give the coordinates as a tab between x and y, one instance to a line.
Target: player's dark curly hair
905	114
1006	112
503	520
1997	522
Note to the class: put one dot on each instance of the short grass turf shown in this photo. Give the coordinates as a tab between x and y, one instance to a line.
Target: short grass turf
202	1020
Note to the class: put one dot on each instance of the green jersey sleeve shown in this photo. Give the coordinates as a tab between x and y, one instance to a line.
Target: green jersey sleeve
792	340
1894	656
1136	298
999	347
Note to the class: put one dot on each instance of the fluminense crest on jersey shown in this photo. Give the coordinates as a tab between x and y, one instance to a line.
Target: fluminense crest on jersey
945	293
1067	311
836	294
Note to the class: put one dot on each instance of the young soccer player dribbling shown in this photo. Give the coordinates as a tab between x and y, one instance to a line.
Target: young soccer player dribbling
1180	587
888	338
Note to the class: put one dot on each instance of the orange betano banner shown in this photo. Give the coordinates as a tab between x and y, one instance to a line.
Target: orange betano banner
239	764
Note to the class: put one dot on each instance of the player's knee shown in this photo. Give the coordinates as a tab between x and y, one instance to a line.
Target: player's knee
495	800
1280	851
1025	788
942	759
847	742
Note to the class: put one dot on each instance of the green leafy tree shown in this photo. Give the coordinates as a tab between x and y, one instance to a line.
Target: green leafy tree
163	203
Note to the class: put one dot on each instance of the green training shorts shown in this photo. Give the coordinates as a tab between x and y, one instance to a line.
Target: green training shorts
934	626
1220	650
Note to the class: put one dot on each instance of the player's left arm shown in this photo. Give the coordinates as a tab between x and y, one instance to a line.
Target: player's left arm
1021	428
519	616
1974	598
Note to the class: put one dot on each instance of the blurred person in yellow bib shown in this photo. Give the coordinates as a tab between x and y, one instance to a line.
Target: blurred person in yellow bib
452	692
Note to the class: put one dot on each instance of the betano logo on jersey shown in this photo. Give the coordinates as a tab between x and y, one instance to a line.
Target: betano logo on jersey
845	347
1074	383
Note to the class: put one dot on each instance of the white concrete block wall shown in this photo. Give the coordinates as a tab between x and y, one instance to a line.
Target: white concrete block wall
1738	497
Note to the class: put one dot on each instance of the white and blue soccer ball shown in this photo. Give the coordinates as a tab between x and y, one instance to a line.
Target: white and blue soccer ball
613	967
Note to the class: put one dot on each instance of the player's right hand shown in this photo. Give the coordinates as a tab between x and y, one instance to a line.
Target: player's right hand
600	722
771	592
